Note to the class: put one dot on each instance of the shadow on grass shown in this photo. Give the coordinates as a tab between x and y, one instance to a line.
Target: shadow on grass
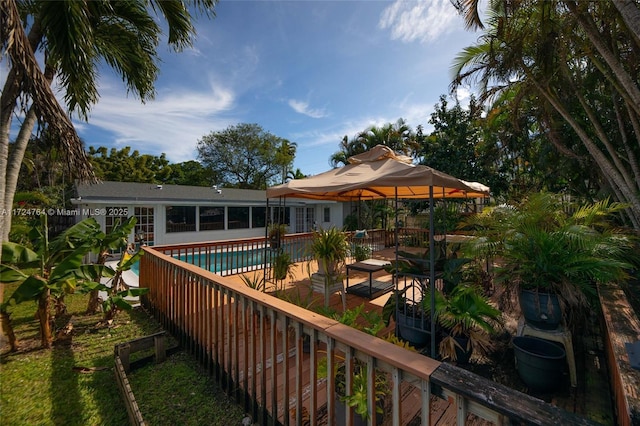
109	403
66	407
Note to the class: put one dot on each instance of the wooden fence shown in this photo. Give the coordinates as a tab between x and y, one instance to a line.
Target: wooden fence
253	345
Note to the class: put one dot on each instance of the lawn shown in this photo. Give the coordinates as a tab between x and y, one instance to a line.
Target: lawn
73	383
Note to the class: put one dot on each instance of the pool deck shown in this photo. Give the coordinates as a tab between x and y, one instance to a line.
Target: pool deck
591	398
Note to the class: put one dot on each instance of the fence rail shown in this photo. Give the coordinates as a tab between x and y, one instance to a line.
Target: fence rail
253	345
249	254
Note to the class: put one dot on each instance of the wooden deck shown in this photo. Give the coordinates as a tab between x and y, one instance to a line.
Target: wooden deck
237	333
591	398
442	412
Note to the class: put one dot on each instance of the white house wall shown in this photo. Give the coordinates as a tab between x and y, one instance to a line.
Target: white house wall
161	237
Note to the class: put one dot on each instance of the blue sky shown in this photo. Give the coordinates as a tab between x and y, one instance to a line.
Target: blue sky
308	71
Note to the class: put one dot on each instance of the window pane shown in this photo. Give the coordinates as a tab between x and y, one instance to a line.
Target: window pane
144	227
257	217
238	217
327	214
181	218
281	215
211	218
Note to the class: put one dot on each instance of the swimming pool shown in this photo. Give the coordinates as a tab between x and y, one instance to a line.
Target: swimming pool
228	261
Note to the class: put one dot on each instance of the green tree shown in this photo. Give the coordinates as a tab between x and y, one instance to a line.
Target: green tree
126	166
75	37
190	173
297	174
117	289
397	136
246	156
57	265
457	146
577	61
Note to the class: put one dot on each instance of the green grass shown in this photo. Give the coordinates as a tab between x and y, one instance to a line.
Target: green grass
44	387
199	403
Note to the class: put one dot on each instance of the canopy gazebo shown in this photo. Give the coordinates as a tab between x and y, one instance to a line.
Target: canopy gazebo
378	174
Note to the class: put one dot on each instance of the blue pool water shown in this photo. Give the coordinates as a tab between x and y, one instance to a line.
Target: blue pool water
226	261
218	262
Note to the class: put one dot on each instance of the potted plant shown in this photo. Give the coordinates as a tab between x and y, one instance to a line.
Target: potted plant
330	248
275	234
413	319
410	306
361	252
281	264
555	260
357	398
468	321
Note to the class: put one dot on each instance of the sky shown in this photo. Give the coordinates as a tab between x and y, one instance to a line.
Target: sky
308	71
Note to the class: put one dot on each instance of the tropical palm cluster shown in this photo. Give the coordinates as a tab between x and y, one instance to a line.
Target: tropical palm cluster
75	38
570	66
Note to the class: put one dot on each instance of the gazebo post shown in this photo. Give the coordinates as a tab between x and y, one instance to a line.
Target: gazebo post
432	272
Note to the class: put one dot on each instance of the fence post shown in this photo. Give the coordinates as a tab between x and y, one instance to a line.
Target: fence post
161	353
123	352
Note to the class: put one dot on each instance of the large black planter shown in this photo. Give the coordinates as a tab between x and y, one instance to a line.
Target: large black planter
540	363
541	310
414	329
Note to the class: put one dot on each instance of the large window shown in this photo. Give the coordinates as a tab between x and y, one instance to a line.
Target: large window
115	215
281	215
327	214
144	229
258	217
181	218
211	218
238	217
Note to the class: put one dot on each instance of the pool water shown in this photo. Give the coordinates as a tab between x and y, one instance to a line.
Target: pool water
226	261
233	260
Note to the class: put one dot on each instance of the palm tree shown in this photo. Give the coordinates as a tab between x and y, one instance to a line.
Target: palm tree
397	136
75	37
535	51
286	154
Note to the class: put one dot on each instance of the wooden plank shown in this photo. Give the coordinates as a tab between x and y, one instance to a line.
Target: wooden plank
622	326
515	405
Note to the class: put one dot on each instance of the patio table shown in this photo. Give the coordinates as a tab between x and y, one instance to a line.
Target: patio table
366	288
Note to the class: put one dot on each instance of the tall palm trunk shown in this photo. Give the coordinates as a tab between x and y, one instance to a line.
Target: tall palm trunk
13	167
630	88
630	14
609	170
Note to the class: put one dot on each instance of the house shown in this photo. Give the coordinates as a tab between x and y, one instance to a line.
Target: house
173	214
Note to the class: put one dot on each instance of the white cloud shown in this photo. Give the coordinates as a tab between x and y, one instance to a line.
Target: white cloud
302	107
421	20
172	123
